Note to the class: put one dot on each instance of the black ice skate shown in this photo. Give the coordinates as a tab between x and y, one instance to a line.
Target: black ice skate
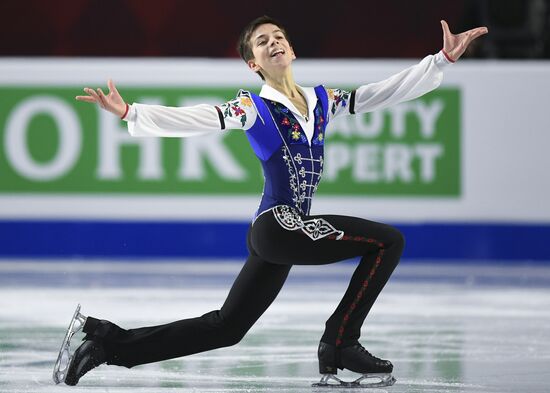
375	372
89	355
69	368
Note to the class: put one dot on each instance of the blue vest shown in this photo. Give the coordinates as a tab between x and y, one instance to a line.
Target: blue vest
292	167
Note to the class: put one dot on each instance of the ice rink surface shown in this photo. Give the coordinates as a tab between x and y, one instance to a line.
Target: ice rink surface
459	327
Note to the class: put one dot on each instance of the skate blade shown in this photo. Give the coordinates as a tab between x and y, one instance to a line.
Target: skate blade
64	357
332	381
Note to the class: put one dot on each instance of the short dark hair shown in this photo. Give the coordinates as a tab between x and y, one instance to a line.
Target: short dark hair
244	48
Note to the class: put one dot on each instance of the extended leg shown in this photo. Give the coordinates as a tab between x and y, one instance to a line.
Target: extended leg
254	290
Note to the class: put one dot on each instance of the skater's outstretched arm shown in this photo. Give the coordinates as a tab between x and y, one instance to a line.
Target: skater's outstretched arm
408	84
164	121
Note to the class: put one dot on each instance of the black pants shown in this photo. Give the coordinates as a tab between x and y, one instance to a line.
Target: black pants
274	247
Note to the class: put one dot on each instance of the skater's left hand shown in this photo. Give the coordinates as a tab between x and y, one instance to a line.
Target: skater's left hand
455	45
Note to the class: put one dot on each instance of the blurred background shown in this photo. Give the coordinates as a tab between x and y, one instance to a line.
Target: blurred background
462	170
347	29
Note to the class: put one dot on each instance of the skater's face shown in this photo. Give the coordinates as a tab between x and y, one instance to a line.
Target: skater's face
272	52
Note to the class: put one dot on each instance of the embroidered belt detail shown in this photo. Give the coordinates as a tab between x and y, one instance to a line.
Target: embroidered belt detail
315	228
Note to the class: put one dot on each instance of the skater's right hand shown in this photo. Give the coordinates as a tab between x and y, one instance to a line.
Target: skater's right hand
111	102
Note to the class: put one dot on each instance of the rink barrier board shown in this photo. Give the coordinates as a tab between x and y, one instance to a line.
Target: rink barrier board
498	143
502	242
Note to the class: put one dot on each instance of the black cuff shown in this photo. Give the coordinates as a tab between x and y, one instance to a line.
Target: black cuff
220	115
352	103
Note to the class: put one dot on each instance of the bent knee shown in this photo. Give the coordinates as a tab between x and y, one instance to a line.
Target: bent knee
395	238
234	337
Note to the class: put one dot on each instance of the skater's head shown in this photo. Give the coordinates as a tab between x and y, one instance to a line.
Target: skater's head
265	47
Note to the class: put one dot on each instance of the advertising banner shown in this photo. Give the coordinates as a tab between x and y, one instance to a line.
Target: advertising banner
54	144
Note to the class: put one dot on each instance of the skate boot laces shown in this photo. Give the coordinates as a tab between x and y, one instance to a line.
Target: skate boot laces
376	359
380	362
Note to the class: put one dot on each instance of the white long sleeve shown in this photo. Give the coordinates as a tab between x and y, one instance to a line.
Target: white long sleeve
164	121
408	84
240	113
157	120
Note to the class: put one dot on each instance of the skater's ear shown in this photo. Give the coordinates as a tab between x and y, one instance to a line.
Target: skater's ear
255	67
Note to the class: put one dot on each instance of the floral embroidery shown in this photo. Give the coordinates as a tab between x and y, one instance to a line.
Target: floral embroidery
246	101
295	132
339	99
233	109
237	111
290	125
292	128
320	124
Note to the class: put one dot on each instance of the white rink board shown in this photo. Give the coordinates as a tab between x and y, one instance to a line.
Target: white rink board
505	139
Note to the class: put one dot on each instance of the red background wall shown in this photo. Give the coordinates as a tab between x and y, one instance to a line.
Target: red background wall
211	28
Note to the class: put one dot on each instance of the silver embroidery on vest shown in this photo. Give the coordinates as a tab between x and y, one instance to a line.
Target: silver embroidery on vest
293	181
315	228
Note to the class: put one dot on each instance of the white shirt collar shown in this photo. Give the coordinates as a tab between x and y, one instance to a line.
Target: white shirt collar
309	93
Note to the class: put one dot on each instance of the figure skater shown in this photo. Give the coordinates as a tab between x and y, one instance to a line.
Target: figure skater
285	125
